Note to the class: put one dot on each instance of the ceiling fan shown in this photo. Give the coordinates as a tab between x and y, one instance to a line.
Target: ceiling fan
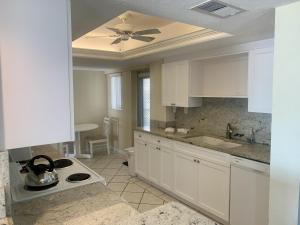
124	32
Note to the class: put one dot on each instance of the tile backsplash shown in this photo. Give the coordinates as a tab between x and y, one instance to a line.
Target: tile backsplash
213	116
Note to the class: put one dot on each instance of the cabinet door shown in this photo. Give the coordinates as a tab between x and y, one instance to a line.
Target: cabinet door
260	79
167	168
168	84
141	158
182	83
213	188
36	72
154	163
185	177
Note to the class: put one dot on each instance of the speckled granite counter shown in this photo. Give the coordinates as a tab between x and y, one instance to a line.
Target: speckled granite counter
92	204
6	221
257	152
172	213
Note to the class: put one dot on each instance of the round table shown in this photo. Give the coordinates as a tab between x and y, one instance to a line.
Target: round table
78	129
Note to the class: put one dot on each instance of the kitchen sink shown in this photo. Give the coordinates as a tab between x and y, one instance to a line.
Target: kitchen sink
213	142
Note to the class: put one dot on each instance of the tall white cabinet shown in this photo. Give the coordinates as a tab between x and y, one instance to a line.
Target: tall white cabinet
260	79
36	72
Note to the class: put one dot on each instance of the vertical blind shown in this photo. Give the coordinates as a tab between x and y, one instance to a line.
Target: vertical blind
116	91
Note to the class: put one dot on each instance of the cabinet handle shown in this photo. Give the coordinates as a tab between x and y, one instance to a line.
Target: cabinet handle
173	104
195	160
158	141
157	148
140	135
198	161
145	144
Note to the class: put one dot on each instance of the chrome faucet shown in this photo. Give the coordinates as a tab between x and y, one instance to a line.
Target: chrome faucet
251	139
229	131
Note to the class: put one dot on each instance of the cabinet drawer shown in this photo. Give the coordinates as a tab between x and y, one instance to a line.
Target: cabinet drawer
141	136
160	141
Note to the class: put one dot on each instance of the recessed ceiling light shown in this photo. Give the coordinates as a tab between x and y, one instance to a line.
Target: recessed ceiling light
217	8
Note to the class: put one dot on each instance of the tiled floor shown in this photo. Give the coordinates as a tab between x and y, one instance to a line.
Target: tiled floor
137	193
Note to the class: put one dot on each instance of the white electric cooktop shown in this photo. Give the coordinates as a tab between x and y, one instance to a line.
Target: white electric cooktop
19	194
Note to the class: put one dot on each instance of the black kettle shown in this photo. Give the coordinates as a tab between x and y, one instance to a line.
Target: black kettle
40	176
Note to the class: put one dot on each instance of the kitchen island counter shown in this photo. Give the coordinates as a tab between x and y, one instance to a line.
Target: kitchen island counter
90	205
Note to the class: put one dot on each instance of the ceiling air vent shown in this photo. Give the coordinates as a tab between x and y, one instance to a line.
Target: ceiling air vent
217	8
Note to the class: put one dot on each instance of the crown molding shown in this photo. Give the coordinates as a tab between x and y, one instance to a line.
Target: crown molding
177	42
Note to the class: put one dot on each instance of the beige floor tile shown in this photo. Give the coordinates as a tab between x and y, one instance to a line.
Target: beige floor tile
131	187
113	166
134	205
151	199
145	207
134	179
132	197
123	171
168	198
107	177
109	171
154	191
120	179
142	184
117	187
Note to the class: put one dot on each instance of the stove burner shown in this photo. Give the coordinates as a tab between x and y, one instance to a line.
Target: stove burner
76	177
39	188
62	163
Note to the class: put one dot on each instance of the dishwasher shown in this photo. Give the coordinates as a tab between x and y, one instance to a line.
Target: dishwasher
249	193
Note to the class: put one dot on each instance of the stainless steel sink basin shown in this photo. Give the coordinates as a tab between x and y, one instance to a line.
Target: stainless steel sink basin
213	142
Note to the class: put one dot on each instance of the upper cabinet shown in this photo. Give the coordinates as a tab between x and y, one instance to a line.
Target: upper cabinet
223	77
260	76
176	82
36	72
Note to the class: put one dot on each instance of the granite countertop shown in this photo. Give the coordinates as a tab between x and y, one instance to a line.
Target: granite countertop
92	204
6	221
172	213
257	152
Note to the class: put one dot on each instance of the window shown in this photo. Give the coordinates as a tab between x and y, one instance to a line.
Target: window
116	91
144	99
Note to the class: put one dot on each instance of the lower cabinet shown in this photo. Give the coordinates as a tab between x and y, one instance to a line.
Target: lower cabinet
167	168
195	178
213	188
185	177
154	163
141	160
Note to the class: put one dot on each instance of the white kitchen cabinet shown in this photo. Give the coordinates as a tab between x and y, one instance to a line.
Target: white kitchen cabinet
176	79
167	168
260	80
185	176
154	163
223	77
141	158
213	188
36	72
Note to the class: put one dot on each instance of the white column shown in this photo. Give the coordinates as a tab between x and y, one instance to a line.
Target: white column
285	148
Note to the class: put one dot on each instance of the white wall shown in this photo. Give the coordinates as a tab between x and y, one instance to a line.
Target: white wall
90	97
285	150
124	115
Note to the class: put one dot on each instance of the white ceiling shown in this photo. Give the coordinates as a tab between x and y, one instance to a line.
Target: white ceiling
100	38
254	24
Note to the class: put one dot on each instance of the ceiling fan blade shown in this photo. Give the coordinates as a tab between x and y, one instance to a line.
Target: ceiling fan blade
143	38
149	31
101	36
115	30
117	41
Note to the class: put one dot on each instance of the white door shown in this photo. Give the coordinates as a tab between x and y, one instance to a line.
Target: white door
167	168
260	80
213	188
36	72
182	82
168	84
185	177
154	163
141	158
